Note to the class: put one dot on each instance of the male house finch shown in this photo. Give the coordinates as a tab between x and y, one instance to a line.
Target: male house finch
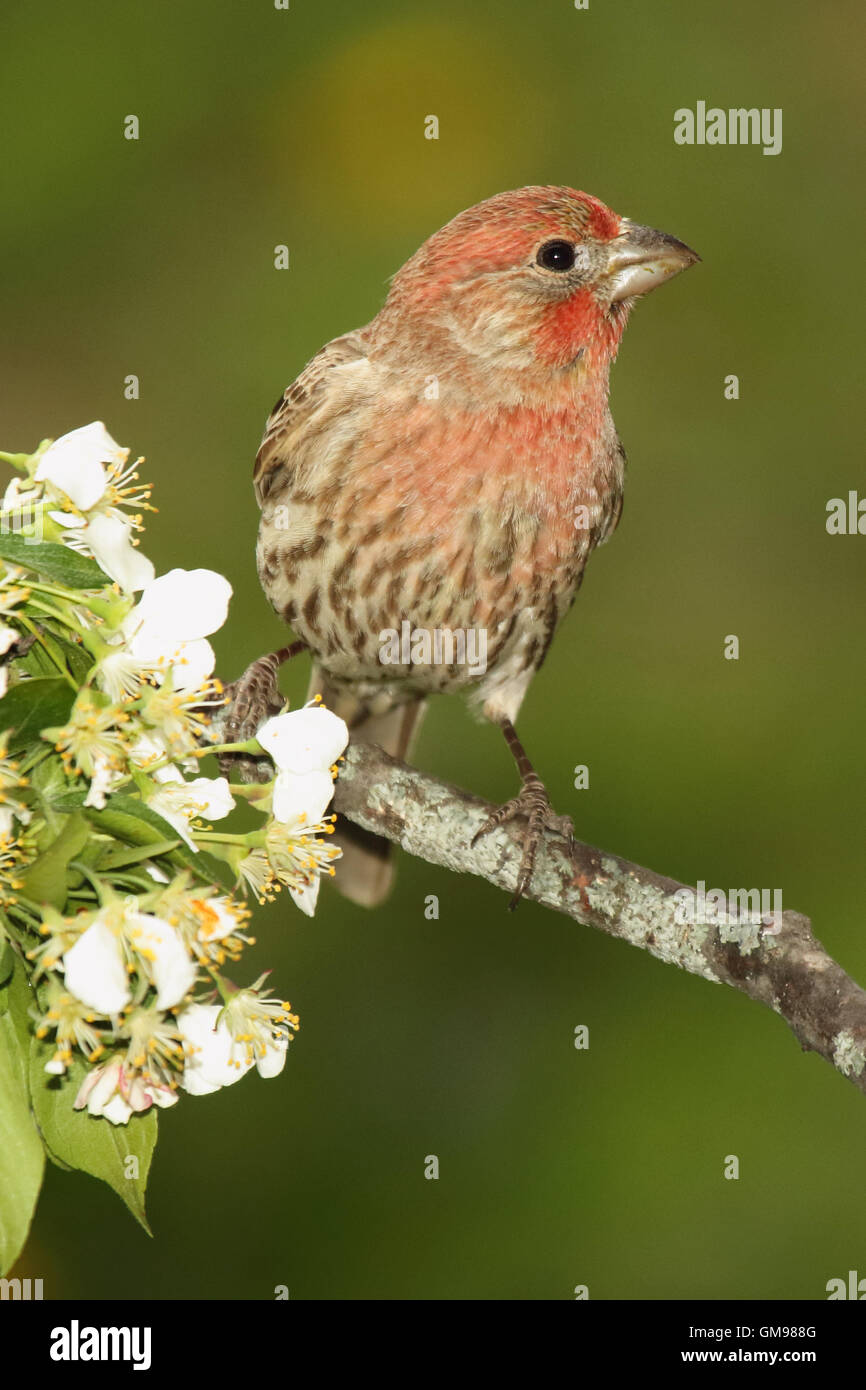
452	465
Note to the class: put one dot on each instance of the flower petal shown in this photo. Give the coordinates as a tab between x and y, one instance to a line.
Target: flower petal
307	896
182	605
167	806
192	663
304	740
95	972
273	1060
210	797
117	1110
170	965
210	1062
74	463
304	795
217	919
98	1088
110	539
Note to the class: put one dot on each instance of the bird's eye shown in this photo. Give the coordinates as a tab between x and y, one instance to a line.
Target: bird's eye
556	255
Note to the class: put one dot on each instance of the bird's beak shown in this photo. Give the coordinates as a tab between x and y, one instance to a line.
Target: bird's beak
641	258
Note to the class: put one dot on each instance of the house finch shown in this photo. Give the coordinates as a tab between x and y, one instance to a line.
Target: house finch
451	466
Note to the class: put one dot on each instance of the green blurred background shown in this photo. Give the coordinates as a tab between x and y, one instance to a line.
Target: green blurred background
455	1037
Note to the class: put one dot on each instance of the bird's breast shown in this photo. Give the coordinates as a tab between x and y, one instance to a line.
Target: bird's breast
526	479
468	520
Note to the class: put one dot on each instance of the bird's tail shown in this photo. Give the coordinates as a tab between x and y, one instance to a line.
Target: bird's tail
366	870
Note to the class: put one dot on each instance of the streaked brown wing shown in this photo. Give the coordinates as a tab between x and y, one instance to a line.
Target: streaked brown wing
297	403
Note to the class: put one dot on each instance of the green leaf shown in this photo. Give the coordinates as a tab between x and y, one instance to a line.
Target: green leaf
22	1156
7	963
37	662
51	652
55	562
34	705
79	661
118	858
68	801
46	776
78	658
206	865
45	880
127	819
91	1143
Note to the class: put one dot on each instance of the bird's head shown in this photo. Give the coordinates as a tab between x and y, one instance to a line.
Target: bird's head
540	277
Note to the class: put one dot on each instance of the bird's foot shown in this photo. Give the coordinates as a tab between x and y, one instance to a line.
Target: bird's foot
533	803
252	699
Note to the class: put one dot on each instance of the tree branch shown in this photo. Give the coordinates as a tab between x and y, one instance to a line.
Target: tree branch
780	964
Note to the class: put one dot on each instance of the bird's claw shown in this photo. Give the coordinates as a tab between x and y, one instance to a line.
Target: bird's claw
251	699
533	803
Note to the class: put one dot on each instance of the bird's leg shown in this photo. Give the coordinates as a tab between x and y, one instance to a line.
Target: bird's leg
252	699
532	802
255	696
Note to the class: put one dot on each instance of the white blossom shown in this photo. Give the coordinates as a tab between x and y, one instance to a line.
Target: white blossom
109	538
304	745
95	970
302	796
262	1025
219	917
124	986
75	464
168	962
86	467
224	1043
213	1060
170	624
115	1093
20	495
306	895
104	779
304	740
180	802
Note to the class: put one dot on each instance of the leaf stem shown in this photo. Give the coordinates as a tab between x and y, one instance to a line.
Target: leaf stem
103	896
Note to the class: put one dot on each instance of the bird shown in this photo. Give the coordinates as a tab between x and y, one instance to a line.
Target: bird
449	468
